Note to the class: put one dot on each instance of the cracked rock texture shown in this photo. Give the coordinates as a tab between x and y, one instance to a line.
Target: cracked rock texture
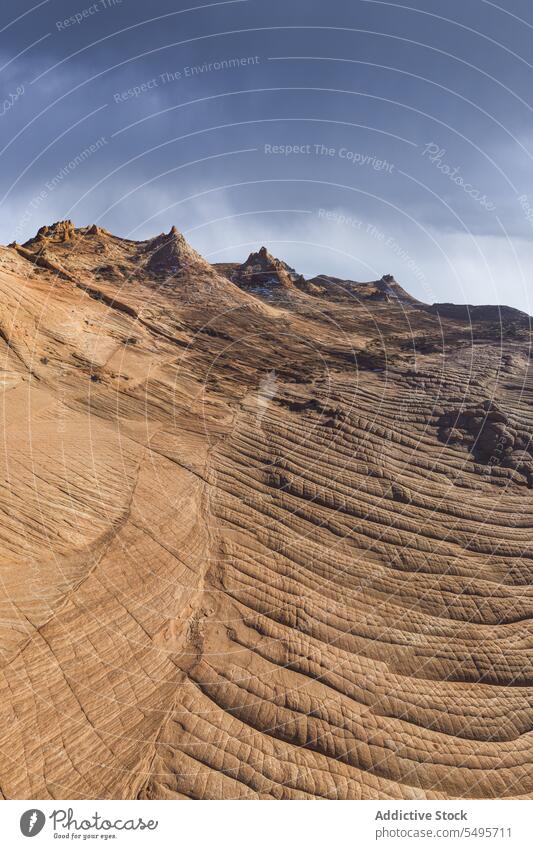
261	537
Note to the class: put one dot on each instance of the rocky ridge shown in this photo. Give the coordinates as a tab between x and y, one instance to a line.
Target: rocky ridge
262	537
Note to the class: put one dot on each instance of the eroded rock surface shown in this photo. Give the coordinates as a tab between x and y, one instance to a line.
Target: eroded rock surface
258	541
491	437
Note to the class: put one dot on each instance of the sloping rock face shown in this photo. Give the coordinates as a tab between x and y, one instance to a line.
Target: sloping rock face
386	289
250	547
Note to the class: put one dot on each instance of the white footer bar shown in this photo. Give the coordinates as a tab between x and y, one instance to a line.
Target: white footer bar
268	824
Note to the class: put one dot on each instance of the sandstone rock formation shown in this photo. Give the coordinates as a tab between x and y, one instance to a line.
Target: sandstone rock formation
262	271
262	537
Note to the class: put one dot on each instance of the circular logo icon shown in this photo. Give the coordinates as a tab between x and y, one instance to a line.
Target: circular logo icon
32	822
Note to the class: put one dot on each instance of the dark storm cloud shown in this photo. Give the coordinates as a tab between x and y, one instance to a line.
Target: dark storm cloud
361	137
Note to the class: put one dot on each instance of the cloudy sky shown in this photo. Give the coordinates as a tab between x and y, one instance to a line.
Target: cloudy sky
353	137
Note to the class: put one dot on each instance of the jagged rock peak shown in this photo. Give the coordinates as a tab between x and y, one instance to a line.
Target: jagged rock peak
265	259
170	253
95	230
263	254
261	270
389	289
63	231
173	237
60	231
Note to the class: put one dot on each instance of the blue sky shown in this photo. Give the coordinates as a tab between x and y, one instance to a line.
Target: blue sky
354	138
